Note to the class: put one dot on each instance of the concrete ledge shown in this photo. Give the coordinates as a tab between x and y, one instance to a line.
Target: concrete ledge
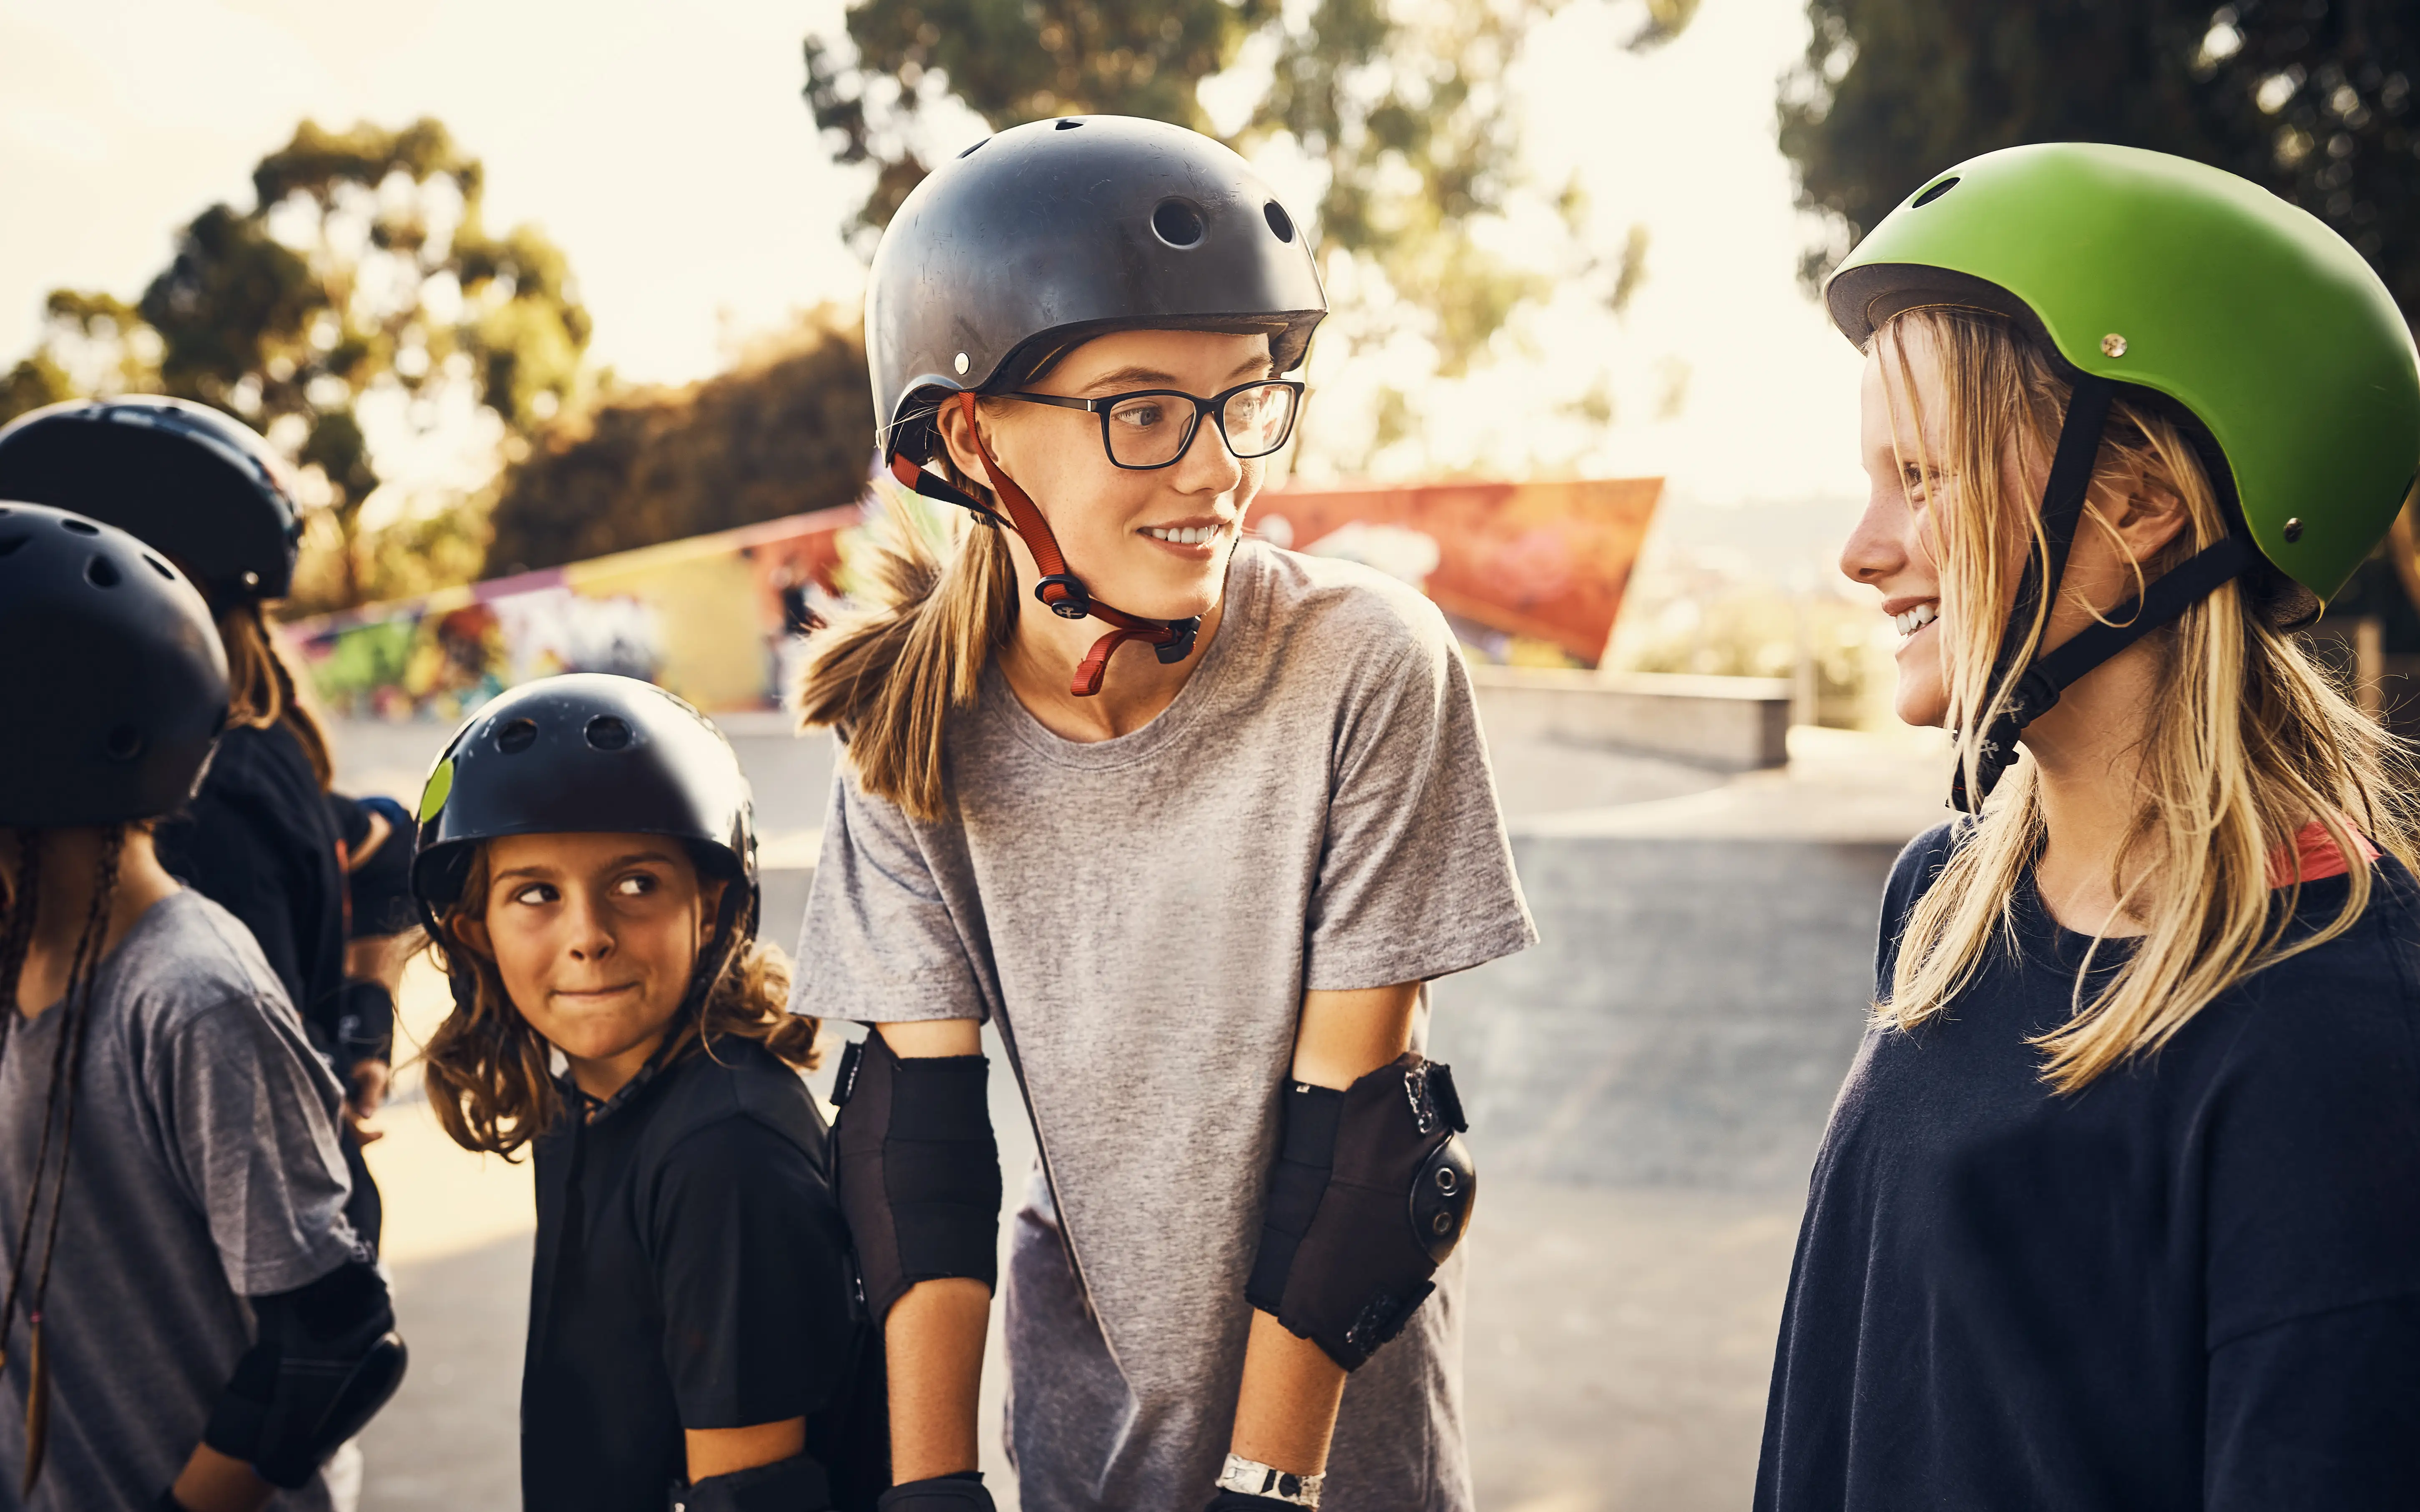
1731	724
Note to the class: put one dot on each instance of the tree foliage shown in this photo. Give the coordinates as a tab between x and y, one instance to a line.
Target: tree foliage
785	431
2310	98
1403	104
364	275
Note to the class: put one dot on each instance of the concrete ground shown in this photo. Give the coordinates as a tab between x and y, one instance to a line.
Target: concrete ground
1646	1087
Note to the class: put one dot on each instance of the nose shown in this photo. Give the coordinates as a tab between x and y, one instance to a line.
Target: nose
1877	548
1208	465
584	927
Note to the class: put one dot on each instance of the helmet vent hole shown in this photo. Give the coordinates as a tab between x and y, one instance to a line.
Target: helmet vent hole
10	542
82	527
1935	192
517	736
1177	224
1280	222
971	151
122	743
1067	123
607	732
100	572
159	566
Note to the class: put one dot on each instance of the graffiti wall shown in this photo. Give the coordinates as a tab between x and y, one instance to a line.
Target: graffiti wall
714	618
1545	563
709	618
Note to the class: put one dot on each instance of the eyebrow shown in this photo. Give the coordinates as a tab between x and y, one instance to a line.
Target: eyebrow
1121	377
539	871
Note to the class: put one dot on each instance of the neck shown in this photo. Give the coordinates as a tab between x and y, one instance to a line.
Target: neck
603	1077
1040	662
70	869
2087	753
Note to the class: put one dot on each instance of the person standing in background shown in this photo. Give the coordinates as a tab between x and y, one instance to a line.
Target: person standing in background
259	838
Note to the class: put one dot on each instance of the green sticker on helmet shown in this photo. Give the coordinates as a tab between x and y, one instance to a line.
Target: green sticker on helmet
441	783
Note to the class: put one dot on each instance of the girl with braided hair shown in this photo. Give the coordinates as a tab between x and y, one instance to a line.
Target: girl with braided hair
186	1316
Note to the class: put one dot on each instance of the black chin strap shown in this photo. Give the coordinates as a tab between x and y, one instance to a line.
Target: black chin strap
2054	672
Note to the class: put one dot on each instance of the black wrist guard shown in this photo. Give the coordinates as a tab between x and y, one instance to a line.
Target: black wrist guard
947	1493
364	1024
919	1170
327	1358
797	1483
1370	1194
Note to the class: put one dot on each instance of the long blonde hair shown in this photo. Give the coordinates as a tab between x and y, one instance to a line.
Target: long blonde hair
943	599
2248	742
263	690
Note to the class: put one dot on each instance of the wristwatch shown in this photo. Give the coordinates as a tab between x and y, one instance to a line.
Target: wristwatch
1253	1478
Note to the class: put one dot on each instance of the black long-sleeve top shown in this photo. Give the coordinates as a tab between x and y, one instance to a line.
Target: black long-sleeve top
2194	1284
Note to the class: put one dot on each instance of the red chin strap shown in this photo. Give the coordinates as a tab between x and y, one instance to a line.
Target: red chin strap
1060	590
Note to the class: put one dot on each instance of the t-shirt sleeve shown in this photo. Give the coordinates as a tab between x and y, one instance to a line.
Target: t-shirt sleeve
1415	877
2313	1254
750	1277
880	943
219	851
248	1120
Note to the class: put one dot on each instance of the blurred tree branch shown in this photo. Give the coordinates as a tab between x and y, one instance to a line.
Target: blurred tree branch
2309	98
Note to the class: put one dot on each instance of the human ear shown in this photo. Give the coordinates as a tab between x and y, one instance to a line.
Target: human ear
959	437
2146	514
471	930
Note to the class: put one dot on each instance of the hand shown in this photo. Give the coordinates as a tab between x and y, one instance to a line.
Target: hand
215	1482
370	1079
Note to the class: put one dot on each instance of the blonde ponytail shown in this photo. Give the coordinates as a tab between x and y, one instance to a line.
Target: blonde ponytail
888	677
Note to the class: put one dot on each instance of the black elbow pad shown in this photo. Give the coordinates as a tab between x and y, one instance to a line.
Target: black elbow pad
326	1360
1370	1192
919	1169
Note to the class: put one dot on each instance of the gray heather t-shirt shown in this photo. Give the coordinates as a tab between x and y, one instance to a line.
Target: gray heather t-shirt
205	1170
1142	916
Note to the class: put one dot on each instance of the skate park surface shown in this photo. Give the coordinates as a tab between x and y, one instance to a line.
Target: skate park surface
1646	1088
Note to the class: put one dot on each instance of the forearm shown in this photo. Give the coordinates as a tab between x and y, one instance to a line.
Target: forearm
934	1347
213	1482
1285	1407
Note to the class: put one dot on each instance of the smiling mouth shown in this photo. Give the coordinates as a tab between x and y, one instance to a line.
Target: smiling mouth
1916	619
1183	534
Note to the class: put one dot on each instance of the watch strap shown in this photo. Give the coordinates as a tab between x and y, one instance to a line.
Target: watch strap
1253	1478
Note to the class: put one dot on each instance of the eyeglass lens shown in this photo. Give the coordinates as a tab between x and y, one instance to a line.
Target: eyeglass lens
1151	430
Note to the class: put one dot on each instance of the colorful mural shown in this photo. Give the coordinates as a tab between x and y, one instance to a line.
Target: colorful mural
709	617
714	618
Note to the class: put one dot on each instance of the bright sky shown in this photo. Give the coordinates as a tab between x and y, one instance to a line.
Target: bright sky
666	149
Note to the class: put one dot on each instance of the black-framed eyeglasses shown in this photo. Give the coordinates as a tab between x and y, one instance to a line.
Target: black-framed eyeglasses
1153	427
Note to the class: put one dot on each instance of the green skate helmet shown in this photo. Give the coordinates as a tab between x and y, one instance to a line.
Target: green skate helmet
2263	333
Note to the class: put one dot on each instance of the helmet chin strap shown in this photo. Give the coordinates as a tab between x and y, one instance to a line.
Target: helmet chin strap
1060	590
2037	692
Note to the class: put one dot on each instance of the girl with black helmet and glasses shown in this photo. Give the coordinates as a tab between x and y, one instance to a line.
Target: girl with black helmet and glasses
188	1319
1190	820
2119	1206
586	870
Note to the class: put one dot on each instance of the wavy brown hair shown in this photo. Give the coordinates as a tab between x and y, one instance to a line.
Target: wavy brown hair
262	689
489	1077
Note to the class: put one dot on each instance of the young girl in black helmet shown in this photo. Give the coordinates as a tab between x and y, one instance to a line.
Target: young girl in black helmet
587	870
259	838
1190	820
2121	1205
188	1321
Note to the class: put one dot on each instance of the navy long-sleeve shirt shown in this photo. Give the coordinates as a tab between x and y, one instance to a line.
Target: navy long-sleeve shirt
2194	1284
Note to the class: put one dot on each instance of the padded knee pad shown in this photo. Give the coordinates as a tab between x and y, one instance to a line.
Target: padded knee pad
919	1169
326	1360
1370	1192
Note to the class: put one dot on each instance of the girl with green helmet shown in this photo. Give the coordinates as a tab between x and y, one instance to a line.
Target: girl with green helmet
2116	1208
